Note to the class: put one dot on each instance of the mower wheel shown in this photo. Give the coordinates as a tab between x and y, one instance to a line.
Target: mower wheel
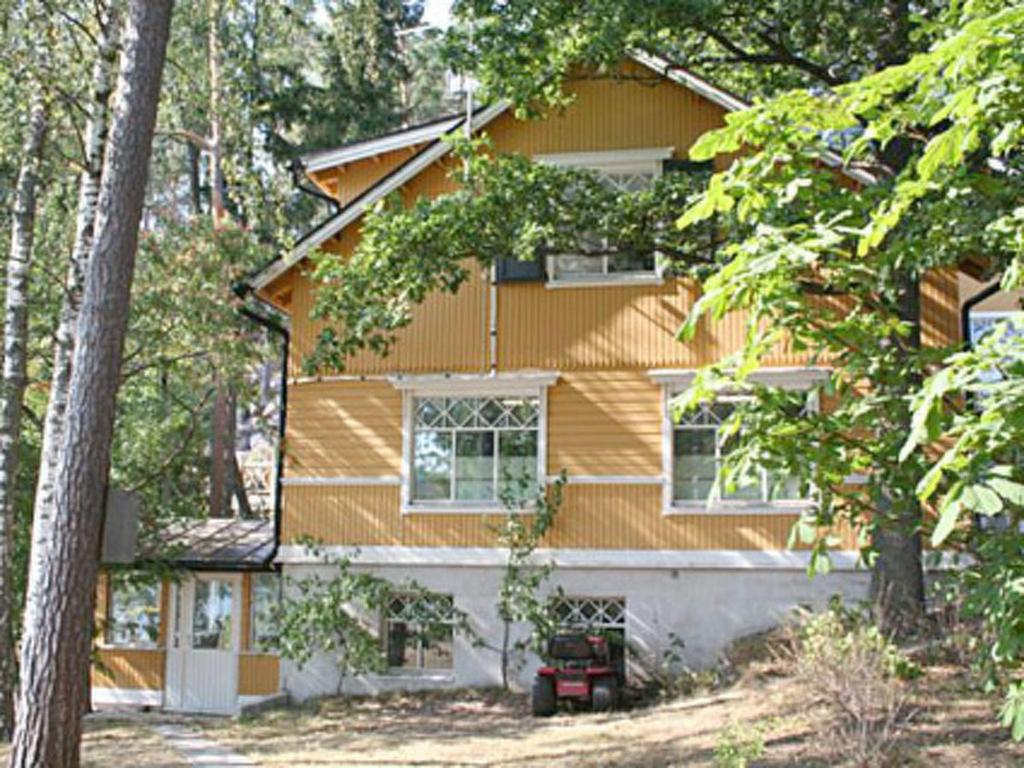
604	694
542	699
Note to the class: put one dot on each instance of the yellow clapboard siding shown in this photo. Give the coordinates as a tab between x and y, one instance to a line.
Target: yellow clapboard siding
448	332
129	668
605	423
940	308
344	428
592	517
259	674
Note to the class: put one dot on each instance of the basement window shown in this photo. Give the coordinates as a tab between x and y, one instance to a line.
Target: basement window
419	632
133	612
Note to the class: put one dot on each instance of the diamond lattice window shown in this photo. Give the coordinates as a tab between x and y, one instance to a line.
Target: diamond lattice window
474	449
419	631
591	612
581	267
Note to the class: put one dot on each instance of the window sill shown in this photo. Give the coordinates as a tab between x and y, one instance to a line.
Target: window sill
455	509
606	282
701	509
129	647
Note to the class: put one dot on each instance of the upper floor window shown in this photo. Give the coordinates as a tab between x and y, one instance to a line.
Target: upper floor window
133	612
474	449
695	447
625	171
698	450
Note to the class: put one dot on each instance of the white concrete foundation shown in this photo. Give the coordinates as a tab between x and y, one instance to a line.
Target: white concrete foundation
706	607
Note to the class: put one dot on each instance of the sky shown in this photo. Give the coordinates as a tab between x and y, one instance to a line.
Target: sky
436	13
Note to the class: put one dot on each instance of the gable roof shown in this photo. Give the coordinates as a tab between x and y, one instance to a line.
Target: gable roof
438	148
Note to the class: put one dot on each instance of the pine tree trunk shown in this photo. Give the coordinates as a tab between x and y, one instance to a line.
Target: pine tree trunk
62	575
12	390
88	196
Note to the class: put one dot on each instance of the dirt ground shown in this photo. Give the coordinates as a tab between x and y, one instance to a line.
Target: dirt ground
120	740
952	727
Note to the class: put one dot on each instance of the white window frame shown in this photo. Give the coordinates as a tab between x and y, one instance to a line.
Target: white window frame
253	640
419	669
676	381
108	618
529	385
626	161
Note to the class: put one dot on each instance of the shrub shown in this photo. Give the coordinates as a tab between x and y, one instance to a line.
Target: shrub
736	746
848	664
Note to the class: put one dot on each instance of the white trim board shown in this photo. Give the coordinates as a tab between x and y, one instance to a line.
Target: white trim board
610	160
329	158
378	480
134	697
474	383
625	559
795	377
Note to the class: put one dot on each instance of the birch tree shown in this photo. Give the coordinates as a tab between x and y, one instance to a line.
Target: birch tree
62	577
13	383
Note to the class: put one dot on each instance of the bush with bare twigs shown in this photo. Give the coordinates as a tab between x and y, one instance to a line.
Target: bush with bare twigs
850	666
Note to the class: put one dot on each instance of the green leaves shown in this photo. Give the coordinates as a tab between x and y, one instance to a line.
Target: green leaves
1011	714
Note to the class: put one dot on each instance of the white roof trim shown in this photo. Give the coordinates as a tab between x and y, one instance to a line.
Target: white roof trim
607	159
786	378
329	158
728	102
686	78
354	210
467	383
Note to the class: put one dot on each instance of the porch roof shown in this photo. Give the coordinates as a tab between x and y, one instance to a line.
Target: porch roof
219	544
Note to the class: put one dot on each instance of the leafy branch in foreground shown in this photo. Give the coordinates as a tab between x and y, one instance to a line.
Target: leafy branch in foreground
940	137
503	207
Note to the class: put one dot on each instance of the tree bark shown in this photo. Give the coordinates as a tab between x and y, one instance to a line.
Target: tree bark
897	579
12	389
62	574
88	196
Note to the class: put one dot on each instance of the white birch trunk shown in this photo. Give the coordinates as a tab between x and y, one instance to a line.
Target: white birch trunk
12	388
57	639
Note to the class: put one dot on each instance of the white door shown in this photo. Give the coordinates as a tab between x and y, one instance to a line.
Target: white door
202	656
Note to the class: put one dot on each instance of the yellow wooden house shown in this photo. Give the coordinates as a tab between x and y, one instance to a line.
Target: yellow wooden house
567	365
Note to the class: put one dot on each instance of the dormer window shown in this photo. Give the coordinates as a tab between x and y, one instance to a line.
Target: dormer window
624	171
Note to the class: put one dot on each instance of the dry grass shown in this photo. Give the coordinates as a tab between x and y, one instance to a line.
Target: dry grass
120	741
954	727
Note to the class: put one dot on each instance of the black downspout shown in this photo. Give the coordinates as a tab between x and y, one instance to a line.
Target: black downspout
971	303
243	291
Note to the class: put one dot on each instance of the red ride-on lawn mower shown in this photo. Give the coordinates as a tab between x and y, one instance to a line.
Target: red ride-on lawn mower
580	671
